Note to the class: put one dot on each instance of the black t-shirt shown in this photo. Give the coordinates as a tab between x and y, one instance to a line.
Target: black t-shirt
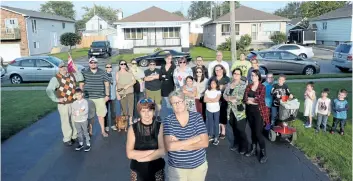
281	91
167	80
155	84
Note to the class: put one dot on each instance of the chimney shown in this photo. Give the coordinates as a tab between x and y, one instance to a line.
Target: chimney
120	14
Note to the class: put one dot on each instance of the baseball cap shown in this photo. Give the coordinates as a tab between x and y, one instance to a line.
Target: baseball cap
93	59
62	64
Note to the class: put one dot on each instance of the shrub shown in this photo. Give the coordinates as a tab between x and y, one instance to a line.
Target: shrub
278	37
70	39
225	46
157	49
242	44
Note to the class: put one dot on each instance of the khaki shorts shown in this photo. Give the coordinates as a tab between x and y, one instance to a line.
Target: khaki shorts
199	173
154	95
96	106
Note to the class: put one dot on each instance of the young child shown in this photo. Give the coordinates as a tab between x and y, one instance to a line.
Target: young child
339	109
190	93
323	109
79	110
211	98
309	103
269	84
278	90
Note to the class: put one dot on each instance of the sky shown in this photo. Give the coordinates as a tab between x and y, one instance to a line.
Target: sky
132	7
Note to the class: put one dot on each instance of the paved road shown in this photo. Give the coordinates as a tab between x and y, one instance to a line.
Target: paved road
37	154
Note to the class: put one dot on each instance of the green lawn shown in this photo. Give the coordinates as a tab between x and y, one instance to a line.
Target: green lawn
331	152
75	53
20	109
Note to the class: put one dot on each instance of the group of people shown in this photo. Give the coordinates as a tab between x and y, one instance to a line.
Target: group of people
178	110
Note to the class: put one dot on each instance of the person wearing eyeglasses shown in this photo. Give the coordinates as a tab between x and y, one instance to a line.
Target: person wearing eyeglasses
167	84
139	85
145	144
199	64
201	85
180	73
111	103
96	87
218	61
153	84
185	139
125	81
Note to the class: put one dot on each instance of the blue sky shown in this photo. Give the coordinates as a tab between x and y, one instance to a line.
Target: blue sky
131	7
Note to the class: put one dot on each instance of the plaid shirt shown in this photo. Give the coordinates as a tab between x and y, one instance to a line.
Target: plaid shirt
260	100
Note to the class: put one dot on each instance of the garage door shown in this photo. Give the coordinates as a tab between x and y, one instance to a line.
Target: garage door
10	51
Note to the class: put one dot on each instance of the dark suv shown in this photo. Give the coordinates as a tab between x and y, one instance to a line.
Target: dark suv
100	48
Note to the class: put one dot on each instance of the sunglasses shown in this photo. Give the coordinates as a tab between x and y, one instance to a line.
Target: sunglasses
123	64
93	63
108	67
134	63
182	62
198	72
148	100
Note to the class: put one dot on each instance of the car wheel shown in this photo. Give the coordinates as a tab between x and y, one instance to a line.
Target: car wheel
143	63
343	69
303	55
293	138
309	70
16	79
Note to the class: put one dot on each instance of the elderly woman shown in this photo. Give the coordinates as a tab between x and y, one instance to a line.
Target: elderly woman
185	138
256	113
234	94
181	72
145	146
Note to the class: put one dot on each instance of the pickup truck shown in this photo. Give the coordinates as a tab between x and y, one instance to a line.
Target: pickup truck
100	48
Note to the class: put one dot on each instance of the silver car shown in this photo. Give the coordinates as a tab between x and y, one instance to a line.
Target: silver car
280	61
34	69
342	57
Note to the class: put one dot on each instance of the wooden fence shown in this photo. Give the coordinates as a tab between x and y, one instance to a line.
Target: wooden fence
195	38
87	40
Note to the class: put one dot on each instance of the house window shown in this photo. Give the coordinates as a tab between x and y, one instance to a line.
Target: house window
63	24
133	33
100	27
270	28
324	25
12	21
172	32
36	44
226	29
34	26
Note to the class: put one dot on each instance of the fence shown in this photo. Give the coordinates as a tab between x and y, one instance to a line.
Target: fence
195	38
87	40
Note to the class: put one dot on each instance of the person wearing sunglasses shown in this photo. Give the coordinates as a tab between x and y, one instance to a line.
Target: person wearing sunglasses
153	84
167	84
201	85
125	91
185	138
139	85
145	144
96	87
111	103
199	64
180	73
218	61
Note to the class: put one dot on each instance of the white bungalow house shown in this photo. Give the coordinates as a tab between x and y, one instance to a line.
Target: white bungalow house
99	26
258	24
334	27
152	28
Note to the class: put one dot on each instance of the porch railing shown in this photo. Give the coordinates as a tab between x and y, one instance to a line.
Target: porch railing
10	34
157	42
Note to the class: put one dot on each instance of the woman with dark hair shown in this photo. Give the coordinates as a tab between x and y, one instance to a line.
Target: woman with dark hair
256	113
125	81
234	94
180	73
200	82
167	84
221	75
145	144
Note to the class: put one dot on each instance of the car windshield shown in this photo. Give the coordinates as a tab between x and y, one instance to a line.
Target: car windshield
343	48
54	60
98	44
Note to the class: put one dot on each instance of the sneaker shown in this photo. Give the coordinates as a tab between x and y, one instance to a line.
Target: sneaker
222	136
106	128
308	126
113	128
233	148
342	133
87	148
68	143
210	138
215	142
79	147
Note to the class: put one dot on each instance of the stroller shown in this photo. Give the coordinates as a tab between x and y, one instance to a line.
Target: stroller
288	111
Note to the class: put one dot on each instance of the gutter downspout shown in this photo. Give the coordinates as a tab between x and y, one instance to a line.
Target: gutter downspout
29	49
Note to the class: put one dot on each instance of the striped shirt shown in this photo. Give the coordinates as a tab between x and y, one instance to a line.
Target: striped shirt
94	83
196	126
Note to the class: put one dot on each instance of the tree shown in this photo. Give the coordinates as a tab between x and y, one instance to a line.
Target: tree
199	9
244	42
70	39
80	24
60	8
312	9
278	37
107	13
224	8
179	13
290	11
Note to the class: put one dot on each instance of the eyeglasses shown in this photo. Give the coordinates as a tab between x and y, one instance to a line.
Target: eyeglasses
198	72
108	67
123	64
134	63
177	103
182	62
152	64
93	63
147	100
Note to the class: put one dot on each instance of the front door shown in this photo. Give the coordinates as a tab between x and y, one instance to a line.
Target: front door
151	36
254	31
53	39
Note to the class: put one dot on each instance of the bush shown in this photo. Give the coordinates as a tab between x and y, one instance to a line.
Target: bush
70	39
225	46
278	37
157	49
242	44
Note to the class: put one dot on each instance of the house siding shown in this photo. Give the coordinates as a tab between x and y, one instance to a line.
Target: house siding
209	36
338	31
23	42
45	34
95	22
195	26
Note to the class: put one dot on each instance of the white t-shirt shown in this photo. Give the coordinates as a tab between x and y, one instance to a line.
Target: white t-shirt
323	106
214	106
212	64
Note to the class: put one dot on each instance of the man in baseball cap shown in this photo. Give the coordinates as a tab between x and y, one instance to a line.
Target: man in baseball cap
92	59
62	64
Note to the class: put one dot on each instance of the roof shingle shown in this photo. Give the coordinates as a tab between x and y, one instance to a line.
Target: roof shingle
343	12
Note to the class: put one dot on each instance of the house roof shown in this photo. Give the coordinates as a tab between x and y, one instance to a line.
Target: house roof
36	14
344	12
246	14
295	21
153	14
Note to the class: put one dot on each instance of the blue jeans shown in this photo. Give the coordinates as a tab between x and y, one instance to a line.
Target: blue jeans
274	113
166	108
337	121
212	123
321	119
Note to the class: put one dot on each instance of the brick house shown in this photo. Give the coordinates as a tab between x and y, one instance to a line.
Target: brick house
26	32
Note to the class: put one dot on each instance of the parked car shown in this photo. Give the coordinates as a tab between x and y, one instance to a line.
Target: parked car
279	61
34	69
342	57
100	48
160	55
304	52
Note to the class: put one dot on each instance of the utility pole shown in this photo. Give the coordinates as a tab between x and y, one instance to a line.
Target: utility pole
232	31
211	10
